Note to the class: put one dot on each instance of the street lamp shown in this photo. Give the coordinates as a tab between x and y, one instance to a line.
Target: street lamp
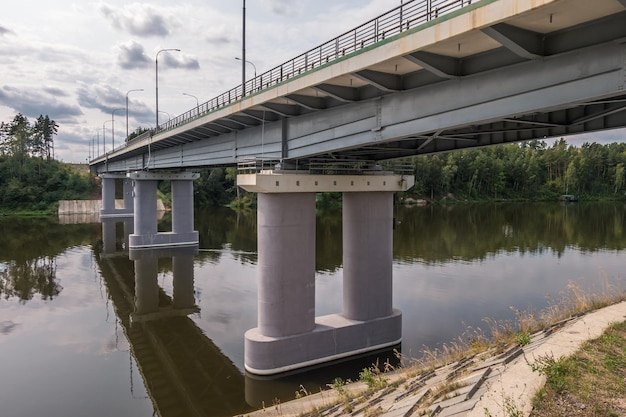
245	61
156	66
113	128
191	95
129	91
104	136
169	116
243	51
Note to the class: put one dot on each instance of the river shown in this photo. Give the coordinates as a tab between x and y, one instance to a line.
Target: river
70	345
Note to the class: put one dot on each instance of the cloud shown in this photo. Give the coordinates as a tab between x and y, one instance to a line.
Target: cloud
137	19
282	7
34	103
5	31
132	55
179	60
108	99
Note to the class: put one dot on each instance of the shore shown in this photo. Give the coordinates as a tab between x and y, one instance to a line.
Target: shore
494	383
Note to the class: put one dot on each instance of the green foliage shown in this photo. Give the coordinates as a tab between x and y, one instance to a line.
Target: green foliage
523	338
40	184
215	187
527	171
557	371
373	378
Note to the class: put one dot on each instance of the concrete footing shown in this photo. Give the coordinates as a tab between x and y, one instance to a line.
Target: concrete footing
333	337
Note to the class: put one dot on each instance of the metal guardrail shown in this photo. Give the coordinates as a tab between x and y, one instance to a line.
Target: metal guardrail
393	22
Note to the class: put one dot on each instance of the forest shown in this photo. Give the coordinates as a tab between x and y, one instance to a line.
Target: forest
530	171
31	179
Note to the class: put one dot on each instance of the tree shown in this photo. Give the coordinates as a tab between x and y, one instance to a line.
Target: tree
619	177
43	141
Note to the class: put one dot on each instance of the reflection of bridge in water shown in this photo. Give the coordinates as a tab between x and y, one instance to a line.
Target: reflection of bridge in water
184	372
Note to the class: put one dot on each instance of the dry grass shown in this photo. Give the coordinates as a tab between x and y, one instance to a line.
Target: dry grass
502	334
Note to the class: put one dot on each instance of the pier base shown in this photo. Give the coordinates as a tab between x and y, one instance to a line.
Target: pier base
334	337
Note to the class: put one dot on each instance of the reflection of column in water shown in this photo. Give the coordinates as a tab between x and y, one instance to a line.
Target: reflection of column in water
108	235
129	228
182	265
146	285
147	290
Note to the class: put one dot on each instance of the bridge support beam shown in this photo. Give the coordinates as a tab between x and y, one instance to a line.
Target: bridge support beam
109	208
289	336
145	206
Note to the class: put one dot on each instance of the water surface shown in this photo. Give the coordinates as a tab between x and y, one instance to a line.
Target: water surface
73	344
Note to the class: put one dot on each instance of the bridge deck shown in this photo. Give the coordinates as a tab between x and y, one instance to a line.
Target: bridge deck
415	80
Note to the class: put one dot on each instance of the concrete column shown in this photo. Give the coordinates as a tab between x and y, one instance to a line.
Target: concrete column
108	194
128	194
286	267
182	206
182	269
145	207
367	255
146	285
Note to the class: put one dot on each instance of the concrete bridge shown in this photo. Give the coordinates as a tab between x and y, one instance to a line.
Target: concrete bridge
429	76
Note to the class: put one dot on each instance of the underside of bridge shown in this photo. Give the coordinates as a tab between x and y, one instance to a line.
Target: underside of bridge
547	71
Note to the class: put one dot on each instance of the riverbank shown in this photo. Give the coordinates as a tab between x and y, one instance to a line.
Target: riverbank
501	381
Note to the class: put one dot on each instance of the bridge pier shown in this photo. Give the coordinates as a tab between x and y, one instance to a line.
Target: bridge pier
145	207
289	336
108	196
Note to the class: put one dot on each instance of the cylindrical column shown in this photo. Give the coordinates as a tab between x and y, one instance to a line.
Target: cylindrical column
286	267
145	206
146	285
367	254
108	194
128	194
182	269
182	206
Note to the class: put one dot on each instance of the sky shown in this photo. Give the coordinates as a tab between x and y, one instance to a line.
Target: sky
77	61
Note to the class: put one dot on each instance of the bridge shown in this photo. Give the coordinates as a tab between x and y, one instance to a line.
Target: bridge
428	76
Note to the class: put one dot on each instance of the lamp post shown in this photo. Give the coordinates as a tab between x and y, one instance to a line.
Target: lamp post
104	136
156	66
191	95
243	53
113	128
169	116
129	91
245	61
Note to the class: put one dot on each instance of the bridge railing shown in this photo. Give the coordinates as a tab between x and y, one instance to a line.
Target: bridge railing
393	22
324	166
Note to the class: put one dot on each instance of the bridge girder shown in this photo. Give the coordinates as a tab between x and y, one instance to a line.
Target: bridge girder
526	85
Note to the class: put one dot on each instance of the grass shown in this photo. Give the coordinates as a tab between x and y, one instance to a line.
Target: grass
592	382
